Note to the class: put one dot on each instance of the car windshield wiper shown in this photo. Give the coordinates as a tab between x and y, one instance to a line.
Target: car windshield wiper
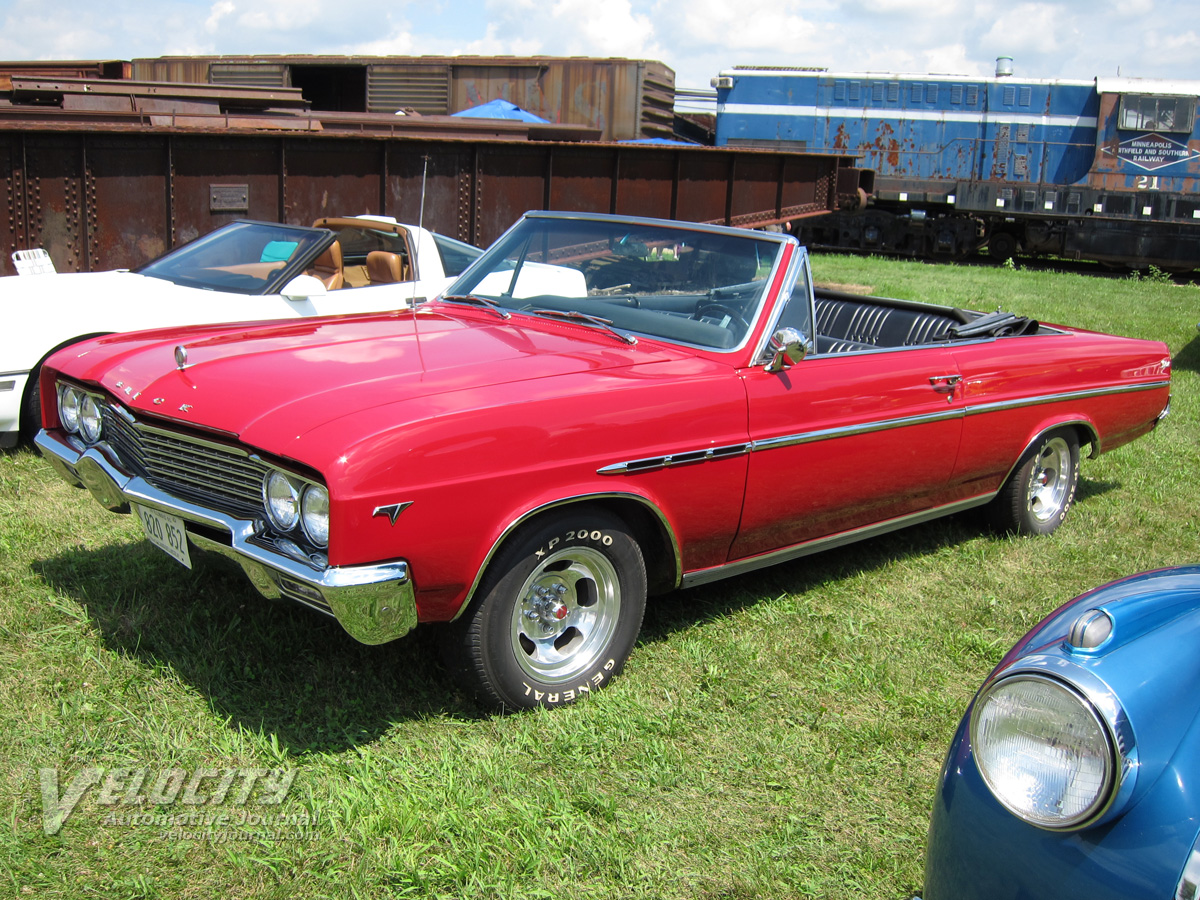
476	300
576	316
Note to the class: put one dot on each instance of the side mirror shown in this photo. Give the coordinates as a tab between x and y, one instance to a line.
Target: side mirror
788	347
303	287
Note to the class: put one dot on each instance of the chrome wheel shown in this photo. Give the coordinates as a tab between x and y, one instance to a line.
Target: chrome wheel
567	614
1051	480
1040	490
556	615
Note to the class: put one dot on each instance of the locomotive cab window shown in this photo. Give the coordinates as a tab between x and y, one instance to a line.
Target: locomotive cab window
1142	112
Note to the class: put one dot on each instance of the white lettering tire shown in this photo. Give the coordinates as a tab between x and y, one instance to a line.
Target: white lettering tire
1040	491
556	615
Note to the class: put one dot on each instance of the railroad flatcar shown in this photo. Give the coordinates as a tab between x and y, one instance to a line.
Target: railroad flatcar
1102	170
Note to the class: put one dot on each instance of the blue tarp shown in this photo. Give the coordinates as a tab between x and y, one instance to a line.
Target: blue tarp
662	142
501	109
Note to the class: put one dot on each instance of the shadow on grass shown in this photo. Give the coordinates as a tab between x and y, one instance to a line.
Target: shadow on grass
284	670
683	609
1189	357
272	667
1089	488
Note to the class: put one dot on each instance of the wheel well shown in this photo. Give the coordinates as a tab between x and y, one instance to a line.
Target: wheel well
1085	434
1087	437
660	551
659	548
35	376
49	353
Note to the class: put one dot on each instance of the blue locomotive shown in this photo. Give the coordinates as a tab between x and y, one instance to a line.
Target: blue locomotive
1104	170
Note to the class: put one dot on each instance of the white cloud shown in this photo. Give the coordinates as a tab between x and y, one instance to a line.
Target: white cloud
219	11
697	38
1031	27
290	15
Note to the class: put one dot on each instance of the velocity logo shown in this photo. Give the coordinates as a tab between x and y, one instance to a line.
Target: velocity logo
142	787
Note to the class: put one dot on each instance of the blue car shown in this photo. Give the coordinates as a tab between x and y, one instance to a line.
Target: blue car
1075	772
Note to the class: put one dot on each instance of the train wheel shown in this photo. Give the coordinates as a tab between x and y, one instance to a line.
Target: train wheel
1003	246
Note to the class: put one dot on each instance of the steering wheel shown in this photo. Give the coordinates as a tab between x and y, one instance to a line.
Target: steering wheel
720	310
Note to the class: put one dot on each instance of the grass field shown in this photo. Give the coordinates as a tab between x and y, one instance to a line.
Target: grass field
773	736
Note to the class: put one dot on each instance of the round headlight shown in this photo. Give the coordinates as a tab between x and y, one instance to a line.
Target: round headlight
282	499
1044	751
69	400
89	419
314	514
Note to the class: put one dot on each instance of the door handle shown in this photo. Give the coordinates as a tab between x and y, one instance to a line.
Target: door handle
944	384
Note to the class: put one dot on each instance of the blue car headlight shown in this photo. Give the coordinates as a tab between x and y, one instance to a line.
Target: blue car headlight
1045	751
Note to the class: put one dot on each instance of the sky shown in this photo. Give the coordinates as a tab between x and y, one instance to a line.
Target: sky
1076	39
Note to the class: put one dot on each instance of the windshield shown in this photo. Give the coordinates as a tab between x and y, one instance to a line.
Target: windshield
241	258
689	284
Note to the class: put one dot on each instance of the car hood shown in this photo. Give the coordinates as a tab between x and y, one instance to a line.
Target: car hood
271	384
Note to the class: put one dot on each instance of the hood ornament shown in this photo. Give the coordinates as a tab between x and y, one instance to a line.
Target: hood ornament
181	356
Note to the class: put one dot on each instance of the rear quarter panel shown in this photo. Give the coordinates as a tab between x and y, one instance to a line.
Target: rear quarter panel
1015	388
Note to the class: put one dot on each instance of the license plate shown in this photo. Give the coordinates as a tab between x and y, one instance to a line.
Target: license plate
166	532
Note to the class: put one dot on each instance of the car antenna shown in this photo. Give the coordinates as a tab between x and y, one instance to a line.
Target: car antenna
412	299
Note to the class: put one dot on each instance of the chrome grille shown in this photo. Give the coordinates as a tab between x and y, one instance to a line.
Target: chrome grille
218	476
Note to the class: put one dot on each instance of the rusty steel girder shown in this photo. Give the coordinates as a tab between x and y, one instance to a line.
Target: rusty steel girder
107	196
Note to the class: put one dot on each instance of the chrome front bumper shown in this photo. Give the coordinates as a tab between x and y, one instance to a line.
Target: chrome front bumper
375	604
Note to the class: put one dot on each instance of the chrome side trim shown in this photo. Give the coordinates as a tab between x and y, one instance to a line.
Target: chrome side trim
1067	395
729	451
686	457
742	566
689	457
809	437
374	603
676	555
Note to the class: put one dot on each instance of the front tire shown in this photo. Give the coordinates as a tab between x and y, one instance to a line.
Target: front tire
1039	493
31	407
556	616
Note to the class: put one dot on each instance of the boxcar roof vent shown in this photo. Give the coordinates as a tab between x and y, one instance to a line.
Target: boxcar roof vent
1004	67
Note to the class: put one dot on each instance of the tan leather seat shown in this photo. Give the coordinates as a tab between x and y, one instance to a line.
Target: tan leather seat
385	268
328	267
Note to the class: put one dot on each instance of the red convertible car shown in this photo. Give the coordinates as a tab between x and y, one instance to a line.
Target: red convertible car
600	409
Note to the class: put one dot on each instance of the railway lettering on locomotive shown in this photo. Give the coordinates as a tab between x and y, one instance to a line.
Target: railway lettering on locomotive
1100	170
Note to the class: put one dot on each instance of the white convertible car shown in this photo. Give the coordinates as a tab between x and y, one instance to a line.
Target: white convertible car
243	271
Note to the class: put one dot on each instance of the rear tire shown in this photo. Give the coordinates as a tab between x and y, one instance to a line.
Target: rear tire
1040	491
556	616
